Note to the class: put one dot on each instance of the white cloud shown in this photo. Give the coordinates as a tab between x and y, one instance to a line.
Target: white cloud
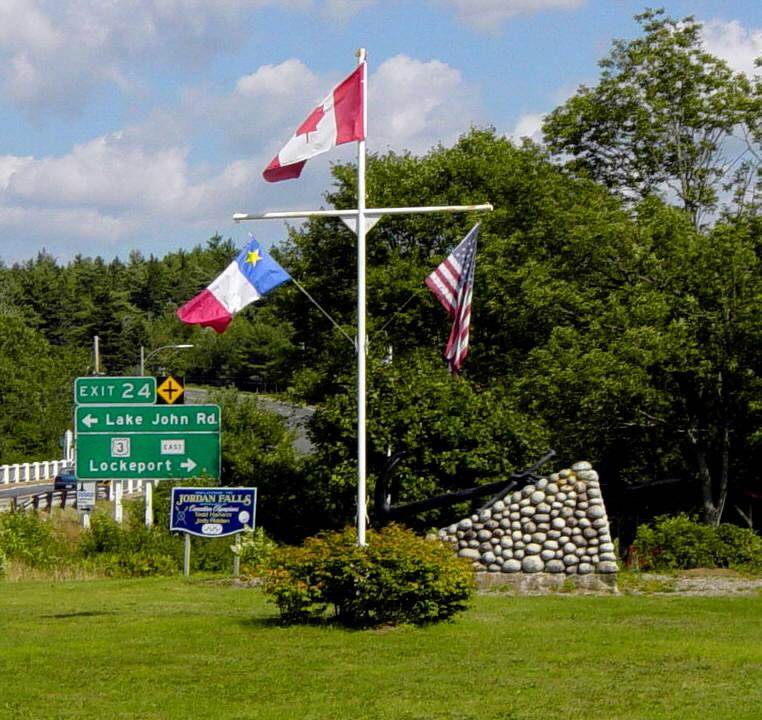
342	10
128	187
737	45
414	104
53	54
489	15
529	126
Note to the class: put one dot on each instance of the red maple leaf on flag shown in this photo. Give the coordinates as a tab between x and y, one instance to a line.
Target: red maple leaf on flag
311	123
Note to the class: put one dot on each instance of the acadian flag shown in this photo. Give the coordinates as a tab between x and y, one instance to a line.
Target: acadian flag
337	120
453	284
250	276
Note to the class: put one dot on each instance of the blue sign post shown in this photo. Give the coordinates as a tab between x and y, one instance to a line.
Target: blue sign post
212	512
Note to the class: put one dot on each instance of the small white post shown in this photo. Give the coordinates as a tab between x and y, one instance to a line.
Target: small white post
86	520
237	556
6	475
118	509
148	490
186	555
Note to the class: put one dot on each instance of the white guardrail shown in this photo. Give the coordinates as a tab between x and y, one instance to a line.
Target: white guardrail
31	471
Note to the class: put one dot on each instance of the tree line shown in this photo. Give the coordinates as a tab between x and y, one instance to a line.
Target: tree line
616	309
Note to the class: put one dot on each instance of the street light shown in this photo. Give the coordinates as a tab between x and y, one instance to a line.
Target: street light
144	358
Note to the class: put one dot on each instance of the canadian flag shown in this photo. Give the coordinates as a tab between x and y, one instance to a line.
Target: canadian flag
337	120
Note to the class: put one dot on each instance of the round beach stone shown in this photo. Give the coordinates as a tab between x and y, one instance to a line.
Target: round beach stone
452	529
559	554
516	515
532	564
473	543
554	534
588	476
528	525
518	554
580	551
585	558
542	526
485	546
581	466
537	497
519	544
580	511
606	547
557	523
485	515
593	493
541	517
494	568
488	558
533	549
551	489
555	505
483	535
566	512
494	540
550	545
554	566
542	483
527	490
569	548
584	568
470	553
593	541
608	557
491	524
466	524
579	487
511	566
506	541
595	511
524	502
607	567
459	534
579	540
584	523
539	537
589	533
565	473
600	523
561	496
498	506
528	511
570	559
526	537
497	533
517	535
554	477
505	523
516	496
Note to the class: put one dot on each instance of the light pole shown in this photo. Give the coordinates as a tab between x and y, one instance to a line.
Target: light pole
144	358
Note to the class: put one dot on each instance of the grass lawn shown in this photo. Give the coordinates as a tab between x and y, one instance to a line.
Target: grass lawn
171	648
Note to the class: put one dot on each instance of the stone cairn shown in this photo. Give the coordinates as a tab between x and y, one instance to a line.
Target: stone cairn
557	525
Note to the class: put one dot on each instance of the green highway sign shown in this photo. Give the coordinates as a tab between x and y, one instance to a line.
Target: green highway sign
99	390
150	443
147	418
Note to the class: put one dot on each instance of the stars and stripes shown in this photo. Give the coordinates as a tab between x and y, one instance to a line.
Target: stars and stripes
453	282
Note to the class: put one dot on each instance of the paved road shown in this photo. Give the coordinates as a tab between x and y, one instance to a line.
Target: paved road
296	416
9	491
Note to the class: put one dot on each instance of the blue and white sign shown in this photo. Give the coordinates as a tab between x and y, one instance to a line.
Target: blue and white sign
213	512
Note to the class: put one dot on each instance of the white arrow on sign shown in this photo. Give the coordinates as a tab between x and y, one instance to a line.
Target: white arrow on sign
187	464
89	420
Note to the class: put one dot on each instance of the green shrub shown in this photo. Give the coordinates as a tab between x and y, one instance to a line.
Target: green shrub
255	550
127	551
3	563
681	542
138	564
397	578
25	536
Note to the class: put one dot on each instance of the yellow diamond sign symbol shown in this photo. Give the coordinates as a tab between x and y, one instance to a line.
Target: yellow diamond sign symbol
170	391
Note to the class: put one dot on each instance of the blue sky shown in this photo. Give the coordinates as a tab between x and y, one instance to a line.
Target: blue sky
144	124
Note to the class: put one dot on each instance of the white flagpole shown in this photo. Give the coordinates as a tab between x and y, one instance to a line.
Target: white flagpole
361	333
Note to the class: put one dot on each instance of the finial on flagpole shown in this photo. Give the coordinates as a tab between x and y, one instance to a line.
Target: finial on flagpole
361	54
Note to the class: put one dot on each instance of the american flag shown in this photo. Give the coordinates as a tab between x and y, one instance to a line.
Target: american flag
453	283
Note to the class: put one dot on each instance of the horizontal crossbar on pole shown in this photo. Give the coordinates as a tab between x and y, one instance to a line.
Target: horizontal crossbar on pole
372	212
